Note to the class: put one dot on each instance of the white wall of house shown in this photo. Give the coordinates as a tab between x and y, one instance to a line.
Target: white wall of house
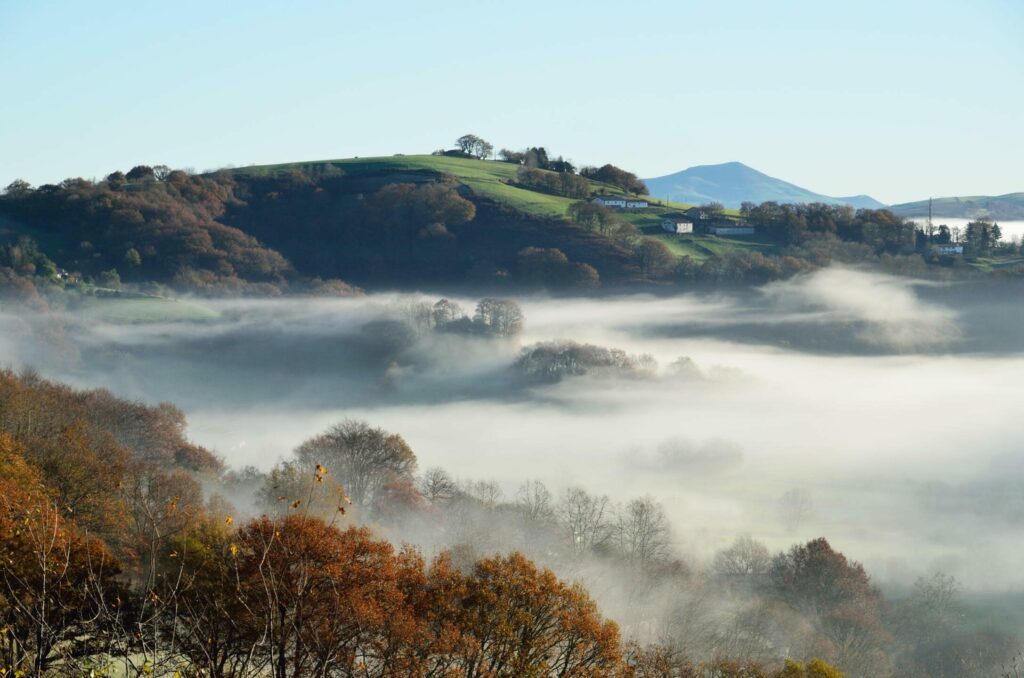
732	230
677	226
621	202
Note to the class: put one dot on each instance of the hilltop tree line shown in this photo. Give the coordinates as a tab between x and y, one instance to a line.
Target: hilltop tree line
542	171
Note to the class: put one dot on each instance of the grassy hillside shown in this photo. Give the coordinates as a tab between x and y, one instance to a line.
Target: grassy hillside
494	181
487	179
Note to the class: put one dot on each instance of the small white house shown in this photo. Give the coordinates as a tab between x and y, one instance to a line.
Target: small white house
677	226
732	230
621	203
948	249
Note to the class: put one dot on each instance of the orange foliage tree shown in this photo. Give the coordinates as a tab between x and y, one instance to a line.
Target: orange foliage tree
54	582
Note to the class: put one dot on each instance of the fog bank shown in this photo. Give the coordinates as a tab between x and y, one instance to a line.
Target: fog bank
892	405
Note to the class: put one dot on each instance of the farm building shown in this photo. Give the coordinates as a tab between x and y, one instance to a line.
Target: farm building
731	230
621	203
948	249
677	225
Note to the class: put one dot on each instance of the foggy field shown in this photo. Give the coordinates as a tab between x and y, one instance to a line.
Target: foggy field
892	405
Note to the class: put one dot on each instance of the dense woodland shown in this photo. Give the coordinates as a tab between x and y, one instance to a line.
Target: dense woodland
128	550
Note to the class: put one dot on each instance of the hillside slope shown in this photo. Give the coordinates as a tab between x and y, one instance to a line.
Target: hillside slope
397	221
732	183
1009	206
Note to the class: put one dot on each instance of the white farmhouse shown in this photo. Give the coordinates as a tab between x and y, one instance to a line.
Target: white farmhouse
609	201
621	203
677	226
948	249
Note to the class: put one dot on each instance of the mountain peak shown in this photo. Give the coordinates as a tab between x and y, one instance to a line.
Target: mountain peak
732	183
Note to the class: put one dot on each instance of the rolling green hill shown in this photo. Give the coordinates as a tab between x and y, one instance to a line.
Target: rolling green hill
495	181
487	179
320	227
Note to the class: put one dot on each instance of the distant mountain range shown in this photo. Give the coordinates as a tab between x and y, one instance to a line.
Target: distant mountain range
1007	207
732	183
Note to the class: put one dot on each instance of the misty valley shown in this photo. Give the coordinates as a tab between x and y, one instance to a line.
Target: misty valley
511	340
700	463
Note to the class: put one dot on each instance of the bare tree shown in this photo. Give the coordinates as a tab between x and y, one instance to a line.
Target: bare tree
446	311
487	492
502	317
437	486
642	531
746	560
419	315
585	519
535	501
654	258
795	508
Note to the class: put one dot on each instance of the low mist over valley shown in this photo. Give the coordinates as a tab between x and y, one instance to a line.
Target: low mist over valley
876	396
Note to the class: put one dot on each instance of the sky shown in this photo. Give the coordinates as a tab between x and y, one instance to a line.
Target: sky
899	99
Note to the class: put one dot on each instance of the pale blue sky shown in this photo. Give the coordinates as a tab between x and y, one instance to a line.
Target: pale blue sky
900	99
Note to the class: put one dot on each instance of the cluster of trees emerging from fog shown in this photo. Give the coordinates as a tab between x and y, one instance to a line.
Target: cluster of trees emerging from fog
121	555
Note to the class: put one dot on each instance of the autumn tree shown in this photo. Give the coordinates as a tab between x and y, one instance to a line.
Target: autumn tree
140	172
820	582
54	581
550	267
211	620
594	216
321	600
18	188
361	457
86	471
654	258
404	214
524	621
